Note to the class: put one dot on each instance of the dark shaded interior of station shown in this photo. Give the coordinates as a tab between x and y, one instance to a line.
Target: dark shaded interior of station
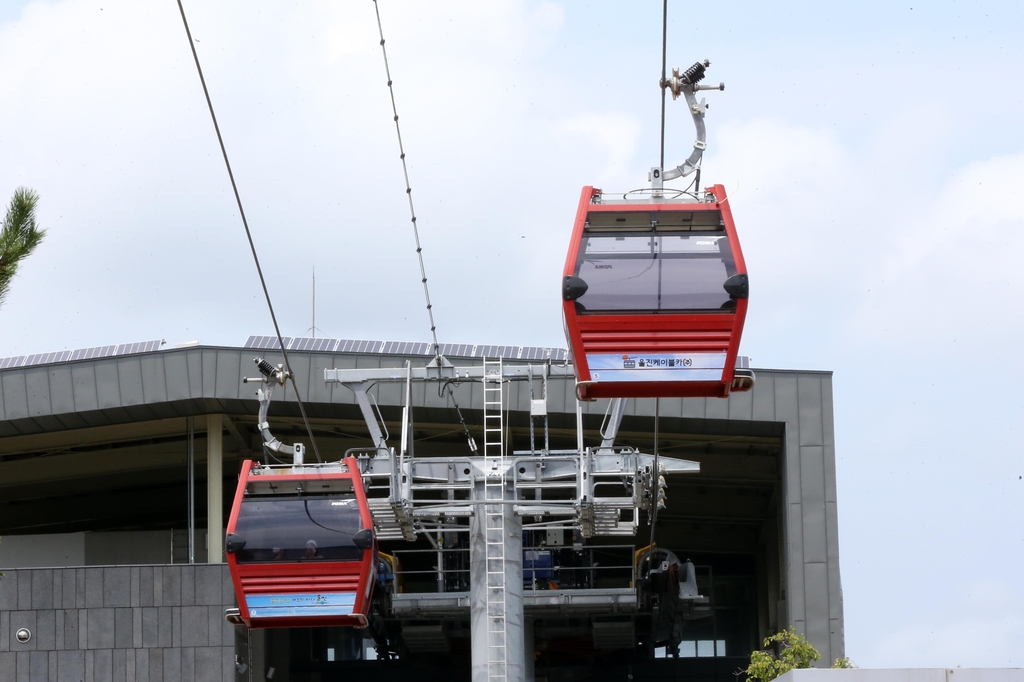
726	519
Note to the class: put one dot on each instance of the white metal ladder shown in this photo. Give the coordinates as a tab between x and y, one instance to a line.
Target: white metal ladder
494	520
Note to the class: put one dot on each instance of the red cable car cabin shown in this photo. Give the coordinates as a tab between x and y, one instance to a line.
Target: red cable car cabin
654	295
300	545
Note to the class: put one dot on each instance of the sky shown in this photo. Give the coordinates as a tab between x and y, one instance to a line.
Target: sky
872	151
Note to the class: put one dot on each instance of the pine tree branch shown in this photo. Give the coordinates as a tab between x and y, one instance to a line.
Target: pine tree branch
19	235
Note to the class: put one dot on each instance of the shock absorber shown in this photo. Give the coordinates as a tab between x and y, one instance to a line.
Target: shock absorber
266	369
270	373
695	73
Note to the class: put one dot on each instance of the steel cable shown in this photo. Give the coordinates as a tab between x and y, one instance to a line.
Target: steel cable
664	83
657	473
248	233
416	233
408	188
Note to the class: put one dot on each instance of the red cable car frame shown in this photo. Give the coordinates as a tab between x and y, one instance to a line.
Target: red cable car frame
664	353
291	586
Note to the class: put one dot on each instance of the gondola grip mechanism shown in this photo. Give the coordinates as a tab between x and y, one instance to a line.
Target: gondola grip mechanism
686	84
269	372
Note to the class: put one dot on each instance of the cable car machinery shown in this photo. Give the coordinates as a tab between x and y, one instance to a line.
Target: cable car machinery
494	495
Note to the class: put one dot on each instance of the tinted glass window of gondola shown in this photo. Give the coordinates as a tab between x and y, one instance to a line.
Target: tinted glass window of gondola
655	271
299	529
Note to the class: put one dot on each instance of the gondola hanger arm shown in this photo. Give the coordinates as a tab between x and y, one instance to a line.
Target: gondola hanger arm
687	84
272	375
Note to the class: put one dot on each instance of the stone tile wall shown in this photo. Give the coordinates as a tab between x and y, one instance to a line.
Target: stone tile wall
117	624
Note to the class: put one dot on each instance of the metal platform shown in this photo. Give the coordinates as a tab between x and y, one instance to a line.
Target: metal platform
535	603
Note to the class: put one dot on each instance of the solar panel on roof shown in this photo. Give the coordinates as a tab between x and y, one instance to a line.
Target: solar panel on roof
138	347
457	350
406	348
16	361
92	353
322	345
80	354
354	346
534	353
266	342
491	351
47	358
313	344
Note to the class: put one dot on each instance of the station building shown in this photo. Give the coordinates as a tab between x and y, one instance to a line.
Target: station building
118	466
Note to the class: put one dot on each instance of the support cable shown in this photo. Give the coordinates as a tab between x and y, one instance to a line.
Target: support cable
248	233
447	388
664	81
408	189
657	473
191	437
416	234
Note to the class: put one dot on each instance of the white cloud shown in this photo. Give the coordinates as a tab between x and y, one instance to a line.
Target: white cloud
951	273
971	624
104	116
615	136
789	189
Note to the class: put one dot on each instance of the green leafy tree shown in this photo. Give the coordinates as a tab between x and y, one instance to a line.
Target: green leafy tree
783	652
19	235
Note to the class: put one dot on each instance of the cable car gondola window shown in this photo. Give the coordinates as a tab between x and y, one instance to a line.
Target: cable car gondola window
299	529
655	272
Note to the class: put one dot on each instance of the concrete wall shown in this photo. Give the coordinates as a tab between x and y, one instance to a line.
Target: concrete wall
117	623
29	551
813	600
814	595
117	548
85	549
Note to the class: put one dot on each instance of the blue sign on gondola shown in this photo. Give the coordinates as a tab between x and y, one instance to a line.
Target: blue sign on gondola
656	366
305	604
